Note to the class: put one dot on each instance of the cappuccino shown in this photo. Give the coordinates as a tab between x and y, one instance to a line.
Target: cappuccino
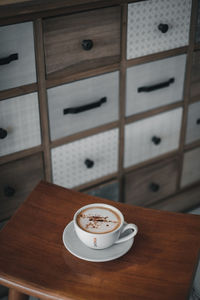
97	219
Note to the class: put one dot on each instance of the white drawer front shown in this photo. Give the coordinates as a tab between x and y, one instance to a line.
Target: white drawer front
17	46
155	84
148	19
193	123
19	120
87	103
69	161
191	167
151	137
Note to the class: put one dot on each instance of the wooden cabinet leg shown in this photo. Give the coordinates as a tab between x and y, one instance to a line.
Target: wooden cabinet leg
15	295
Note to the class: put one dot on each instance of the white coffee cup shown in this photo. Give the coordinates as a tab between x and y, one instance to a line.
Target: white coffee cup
96	218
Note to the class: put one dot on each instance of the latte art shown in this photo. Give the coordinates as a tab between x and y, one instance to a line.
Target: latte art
98	220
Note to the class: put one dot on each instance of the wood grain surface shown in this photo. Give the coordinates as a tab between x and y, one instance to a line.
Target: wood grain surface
63	37
146	186
33	259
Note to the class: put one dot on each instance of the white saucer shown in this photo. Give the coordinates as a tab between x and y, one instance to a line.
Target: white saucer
78	249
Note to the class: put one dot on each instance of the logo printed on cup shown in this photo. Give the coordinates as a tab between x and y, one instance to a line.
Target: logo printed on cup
95	242
99	226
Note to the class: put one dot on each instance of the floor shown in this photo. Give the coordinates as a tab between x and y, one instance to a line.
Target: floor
196	290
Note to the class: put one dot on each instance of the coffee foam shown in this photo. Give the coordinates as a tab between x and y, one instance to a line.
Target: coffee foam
98	220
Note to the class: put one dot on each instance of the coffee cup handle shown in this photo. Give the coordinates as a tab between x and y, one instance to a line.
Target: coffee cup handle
129	236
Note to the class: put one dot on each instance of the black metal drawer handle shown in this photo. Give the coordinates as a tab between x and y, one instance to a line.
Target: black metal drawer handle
3	133
87	44
8	59
163	27
154	187
156	140
198	121
89	163
9	191
156	86
79	109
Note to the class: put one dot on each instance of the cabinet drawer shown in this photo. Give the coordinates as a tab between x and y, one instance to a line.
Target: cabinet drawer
193	123
83	104
108	191
181	202
18	178
151	184
151	137
198	25
82	41
19	124
157	25
155	84
17	57
84	160
195	75
191	167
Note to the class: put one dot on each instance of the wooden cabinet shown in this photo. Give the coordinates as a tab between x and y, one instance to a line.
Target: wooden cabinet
102	97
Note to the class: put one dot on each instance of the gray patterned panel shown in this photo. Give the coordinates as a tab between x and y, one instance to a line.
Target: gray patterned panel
19	116
143	35
68	161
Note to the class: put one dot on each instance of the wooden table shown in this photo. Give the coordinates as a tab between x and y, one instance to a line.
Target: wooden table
33	260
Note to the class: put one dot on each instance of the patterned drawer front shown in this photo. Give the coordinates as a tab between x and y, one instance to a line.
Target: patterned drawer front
198	25
19	124
151	184
155	84
18	178
195	75
83	104
191	167
193	123
17	57
82	41
87	159
157	25
108	191
151	137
